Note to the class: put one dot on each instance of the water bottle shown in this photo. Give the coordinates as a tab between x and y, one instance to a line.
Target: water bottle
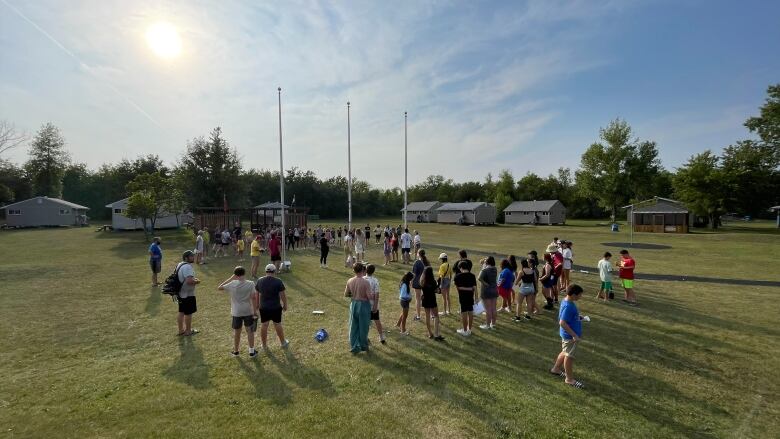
321	335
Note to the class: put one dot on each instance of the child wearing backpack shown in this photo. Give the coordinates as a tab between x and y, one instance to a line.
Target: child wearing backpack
243	302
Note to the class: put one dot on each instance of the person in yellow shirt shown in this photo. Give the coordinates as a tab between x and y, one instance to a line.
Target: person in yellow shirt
254	251
240	249
248	236
445	275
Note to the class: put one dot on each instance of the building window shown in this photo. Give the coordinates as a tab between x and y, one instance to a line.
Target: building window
64	211
14	212
119	211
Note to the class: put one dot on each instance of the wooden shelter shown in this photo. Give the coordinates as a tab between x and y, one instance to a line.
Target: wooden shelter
659	215
259	217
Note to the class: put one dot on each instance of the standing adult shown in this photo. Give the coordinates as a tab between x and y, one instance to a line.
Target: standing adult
428	286
377	233
417	240
155	259
466	284
324	250
489	291
254	251
406	246
626	273
199	248
445	277
557	264
275	248
463	259
548	281
359	290
273	301
360	245
526	279
242	306
417	269
387	248
395	244
186	297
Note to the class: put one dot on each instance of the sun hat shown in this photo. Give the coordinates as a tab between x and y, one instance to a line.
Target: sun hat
443	256
270	268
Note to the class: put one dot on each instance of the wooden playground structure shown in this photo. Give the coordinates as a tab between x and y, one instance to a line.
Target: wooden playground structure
257	218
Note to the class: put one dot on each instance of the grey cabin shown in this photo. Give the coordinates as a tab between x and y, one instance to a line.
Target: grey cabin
45	212
535	212
422	211
467	213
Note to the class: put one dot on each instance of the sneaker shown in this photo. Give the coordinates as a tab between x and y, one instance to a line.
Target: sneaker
252	354
493	327
383	341
286	343
406	333
417	318
442	313
438	338
461	332
484	326
234	354
467	333
527	317
517	319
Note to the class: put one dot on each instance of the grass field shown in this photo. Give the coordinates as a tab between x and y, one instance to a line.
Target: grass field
88	349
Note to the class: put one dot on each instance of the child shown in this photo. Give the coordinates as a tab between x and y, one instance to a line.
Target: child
243	302
466	284
605	273
627	265
240	248
570	332
374	300
405	296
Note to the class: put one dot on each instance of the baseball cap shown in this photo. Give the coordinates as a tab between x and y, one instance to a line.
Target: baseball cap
443	256
187	254
270	268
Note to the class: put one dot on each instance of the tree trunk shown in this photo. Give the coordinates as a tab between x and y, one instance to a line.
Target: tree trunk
146	232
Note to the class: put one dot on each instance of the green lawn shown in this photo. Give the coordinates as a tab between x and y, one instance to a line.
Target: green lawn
88	349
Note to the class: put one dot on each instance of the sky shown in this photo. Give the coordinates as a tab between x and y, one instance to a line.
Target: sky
523	86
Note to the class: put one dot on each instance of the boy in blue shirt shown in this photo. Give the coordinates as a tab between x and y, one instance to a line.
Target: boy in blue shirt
155	260
571	331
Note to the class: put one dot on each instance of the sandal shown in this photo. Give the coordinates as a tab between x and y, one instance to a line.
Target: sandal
576	384
561	374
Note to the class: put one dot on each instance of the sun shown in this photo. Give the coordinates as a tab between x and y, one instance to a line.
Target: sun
164	40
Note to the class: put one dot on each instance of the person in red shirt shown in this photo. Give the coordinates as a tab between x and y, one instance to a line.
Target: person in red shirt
557	263
627	265
274	247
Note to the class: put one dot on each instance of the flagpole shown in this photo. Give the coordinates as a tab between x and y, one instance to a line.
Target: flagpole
405	171
281	177
349	169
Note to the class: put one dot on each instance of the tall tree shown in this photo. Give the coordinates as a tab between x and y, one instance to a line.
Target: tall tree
504	192
751	168
141	205
10	136
212	171
155	192
48	161
16	180
618	170
703	186
767	124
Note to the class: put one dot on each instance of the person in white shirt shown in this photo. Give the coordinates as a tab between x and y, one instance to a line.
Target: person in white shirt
243	302
360	245
605	273
417	241
568	260
373	299
186	296
199	248
406	246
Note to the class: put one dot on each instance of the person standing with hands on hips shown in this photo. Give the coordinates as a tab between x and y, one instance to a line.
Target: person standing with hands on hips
271	303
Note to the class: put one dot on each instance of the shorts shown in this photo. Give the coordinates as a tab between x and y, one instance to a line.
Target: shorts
466	299
188	305
406	250
606	286
255	259
505	293
445	283
274	315
429	301
549	283
489	293
359	249
377	237
568	347
526	289
156	265
246	321
628	283
405	303
225	244
375	315
276	258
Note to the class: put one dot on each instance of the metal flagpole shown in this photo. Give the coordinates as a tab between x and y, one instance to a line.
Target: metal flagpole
281	177
349	169
406	170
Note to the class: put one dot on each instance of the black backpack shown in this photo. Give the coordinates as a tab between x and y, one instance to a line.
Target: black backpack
172	285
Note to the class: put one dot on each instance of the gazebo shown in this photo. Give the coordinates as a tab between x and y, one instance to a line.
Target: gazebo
659	215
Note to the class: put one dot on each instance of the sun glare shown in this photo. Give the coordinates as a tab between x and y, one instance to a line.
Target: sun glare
164	40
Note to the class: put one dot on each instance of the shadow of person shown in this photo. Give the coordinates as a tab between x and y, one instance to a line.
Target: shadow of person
268	385
302	375
190	368
153	302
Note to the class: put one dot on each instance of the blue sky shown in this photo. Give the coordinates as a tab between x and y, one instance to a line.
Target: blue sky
488	85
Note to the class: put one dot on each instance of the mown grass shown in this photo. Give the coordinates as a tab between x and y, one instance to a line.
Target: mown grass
88	349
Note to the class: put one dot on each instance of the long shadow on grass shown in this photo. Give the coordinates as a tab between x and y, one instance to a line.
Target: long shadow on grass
153	302
190	368
303	376
268	385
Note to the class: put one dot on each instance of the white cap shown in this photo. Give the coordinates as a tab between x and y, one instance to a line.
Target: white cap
270	268
443	256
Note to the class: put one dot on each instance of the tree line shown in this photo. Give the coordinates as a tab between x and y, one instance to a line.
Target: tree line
616	170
